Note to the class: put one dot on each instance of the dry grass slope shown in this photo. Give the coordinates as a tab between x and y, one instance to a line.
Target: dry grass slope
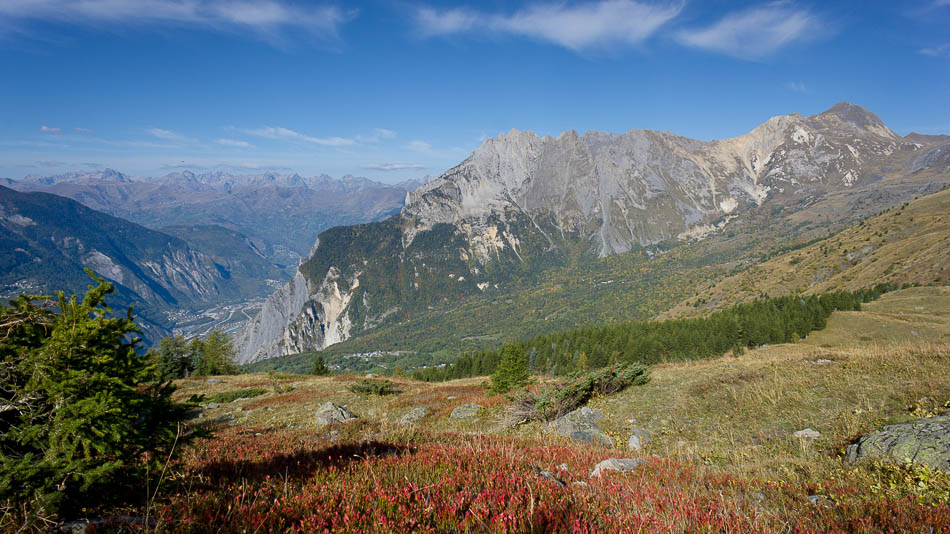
908	244
723	457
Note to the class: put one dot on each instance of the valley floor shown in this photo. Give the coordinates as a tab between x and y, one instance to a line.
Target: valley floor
722	458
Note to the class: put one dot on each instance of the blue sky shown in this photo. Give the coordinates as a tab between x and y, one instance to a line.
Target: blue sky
398	89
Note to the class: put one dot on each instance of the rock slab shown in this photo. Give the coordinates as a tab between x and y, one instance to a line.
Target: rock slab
581	426
330	413
617	464
926	441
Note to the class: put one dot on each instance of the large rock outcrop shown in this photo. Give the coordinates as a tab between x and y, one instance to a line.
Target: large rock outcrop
926	441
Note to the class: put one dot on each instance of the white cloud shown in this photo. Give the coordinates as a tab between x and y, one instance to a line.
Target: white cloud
82	130
393	166
234	143
420	146
796	87
754	33
276	132
383	133
942	50
168	135
266	16
579	27
49	129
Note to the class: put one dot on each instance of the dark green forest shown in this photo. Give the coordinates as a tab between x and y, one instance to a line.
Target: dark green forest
748	325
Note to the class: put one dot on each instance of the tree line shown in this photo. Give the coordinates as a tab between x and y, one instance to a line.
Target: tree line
747	325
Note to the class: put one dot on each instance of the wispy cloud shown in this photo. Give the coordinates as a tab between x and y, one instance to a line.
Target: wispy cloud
377	135
234	143
754	33
262	16
167	135
420	146
82	130
49	129
277	132
393	166
796	87
942	50
579	27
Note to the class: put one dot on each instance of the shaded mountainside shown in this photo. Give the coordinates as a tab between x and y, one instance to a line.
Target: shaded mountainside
281	214
907	244
523	208
46	241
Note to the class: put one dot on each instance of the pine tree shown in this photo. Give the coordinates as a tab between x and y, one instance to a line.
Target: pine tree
512	371
214	355
174	358
320	367
83	411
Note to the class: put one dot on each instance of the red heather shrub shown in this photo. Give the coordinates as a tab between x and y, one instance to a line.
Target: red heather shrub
297	482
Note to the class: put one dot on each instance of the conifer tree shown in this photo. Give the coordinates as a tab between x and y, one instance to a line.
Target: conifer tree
82	411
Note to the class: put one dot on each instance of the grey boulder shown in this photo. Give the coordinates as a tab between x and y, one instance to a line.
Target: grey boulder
330	413
413	416
926	441
581	426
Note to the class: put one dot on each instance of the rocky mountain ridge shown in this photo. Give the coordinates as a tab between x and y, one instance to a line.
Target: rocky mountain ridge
522	202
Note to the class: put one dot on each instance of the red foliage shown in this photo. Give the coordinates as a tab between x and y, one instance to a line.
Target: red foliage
297	482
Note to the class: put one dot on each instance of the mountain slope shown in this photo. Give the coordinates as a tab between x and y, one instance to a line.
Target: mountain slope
521	205
281	214
908	244
46	241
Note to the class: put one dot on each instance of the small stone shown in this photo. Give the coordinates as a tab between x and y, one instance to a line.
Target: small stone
617	464
214	381
759	496
330	413
807	433
466	411
563	467
212	405
817	499
638	438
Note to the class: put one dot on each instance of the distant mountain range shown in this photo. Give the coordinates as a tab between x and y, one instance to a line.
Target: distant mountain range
282	214
190	251
522	205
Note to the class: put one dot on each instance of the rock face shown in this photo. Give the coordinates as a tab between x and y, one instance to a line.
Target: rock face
581	426
926	441
330	413
521	202
466	411
617	464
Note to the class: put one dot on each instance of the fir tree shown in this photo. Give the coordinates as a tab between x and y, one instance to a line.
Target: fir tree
83	412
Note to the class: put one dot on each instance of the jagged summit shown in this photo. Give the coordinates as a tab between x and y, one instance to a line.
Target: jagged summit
522	201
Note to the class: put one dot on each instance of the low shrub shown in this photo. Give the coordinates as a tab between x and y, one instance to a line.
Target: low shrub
561	398
375	387
229	396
